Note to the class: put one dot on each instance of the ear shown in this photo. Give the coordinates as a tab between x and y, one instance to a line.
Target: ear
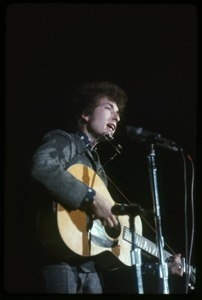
85	117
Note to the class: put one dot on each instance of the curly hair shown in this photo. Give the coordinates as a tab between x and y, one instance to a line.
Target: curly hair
87	95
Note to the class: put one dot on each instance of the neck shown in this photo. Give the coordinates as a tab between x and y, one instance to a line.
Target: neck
91	136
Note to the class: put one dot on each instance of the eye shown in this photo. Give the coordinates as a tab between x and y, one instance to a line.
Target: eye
108	107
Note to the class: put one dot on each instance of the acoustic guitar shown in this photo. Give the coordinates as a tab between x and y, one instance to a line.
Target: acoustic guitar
73	234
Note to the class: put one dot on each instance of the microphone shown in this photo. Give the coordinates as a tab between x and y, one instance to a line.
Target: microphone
139	134
132	209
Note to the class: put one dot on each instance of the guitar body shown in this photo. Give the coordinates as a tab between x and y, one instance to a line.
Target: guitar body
72	234
69	234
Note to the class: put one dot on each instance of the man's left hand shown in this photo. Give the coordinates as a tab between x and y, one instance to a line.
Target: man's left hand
175	265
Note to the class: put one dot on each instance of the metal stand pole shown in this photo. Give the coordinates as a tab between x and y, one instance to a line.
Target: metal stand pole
132	211
136	258
163	267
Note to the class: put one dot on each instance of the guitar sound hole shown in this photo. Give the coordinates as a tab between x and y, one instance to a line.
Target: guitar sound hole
114	232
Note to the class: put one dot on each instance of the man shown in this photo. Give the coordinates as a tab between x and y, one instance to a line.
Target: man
97	107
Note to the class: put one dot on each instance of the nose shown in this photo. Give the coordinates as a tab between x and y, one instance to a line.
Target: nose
116	116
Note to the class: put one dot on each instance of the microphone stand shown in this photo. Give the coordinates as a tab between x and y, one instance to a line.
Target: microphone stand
163	267
135	256
132	211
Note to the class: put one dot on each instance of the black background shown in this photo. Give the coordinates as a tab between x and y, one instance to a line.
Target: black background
150	50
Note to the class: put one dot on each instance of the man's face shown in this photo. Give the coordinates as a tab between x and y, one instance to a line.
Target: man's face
103	119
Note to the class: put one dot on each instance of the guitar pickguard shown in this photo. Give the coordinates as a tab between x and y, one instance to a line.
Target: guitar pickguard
100	236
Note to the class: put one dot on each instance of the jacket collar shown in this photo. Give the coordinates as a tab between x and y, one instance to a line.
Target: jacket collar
84	138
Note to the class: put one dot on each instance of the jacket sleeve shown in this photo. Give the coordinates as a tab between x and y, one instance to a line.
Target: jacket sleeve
49	168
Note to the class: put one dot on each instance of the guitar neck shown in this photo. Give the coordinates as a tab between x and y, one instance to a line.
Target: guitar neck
143	243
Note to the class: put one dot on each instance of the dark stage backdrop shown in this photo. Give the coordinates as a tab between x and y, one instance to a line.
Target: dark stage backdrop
150	50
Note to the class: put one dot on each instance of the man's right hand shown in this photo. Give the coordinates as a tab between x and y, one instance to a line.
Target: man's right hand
102	210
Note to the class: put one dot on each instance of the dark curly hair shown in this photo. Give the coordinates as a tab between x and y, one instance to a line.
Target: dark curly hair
86	97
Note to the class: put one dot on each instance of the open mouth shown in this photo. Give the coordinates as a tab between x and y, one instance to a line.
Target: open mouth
112	127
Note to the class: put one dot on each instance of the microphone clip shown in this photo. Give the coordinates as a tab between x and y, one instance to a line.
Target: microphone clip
131	210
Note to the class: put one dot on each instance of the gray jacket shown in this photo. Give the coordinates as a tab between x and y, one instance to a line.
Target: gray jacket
51	160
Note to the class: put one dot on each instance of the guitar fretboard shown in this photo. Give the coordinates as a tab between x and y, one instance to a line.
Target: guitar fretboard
143	243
